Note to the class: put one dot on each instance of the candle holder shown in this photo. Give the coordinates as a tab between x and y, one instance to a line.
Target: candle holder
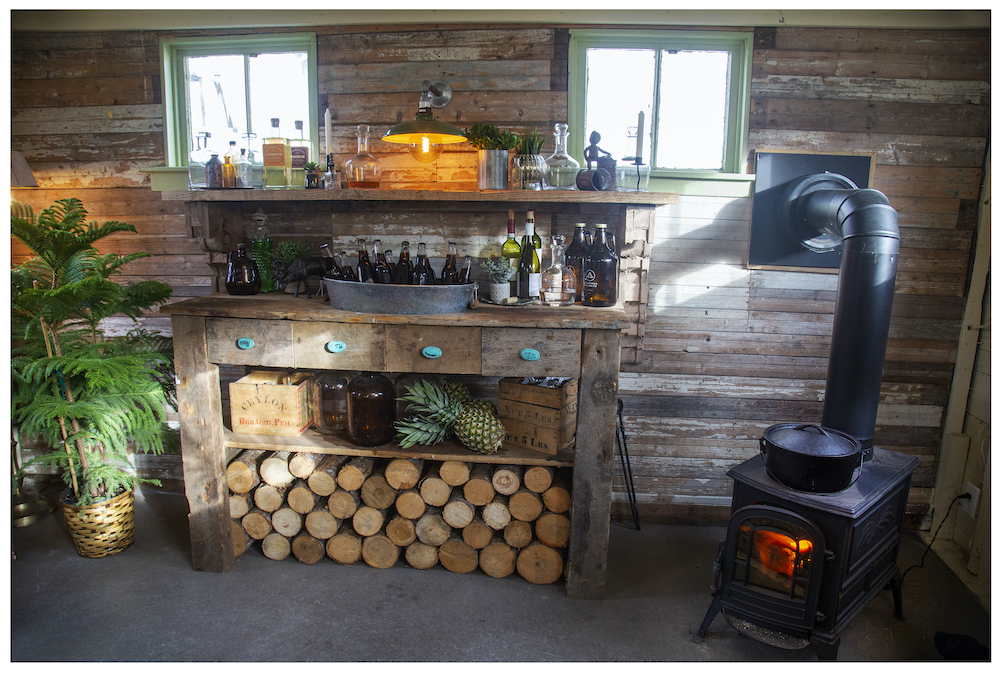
632	177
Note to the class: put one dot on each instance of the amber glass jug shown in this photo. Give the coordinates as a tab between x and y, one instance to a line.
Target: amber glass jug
371	410
333	397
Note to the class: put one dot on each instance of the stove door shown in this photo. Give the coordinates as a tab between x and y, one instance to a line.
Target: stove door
773	567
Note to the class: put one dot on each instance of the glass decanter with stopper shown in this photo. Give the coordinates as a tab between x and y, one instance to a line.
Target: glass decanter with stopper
559	282
363	170
562	167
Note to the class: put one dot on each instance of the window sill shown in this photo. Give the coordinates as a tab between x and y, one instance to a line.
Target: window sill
167	178
716	185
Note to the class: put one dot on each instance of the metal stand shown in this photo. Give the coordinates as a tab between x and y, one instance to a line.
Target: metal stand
626	465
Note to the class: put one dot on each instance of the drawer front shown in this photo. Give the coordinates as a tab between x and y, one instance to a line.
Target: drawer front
422	348
243	341
339	346
531	352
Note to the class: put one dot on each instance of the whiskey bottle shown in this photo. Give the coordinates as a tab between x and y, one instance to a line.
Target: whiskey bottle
277	157
575	253
600	272
529	272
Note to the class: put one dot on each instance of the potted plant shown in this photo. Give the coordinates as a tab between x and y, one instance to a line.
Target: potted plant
88	395
493	154
499	272
313	177
530	165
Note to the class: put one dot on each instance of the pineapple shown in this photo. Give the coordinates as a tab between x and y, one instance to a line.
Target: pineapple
434	413
457	390
484	405
479	429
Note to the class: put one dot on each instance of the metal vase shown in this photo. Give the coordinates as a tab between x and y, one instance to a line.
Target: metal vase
492	169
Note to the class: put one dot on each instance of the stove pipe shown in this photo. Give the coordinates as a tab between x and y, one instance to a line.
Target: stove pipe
867	226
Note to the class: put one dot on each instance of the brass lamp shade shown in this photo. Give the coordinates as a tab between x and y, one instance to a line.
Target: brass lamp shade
415	130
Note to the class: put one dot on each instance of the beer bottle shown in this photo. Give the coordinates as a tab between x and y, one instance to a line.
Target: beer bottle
423	275
366	270
347	268
465	276
600	272
449	273
381	271
575	254
404	267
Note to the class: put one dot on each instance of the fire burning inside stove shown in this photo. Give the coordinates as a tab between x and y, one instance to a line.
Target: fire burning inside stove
771	559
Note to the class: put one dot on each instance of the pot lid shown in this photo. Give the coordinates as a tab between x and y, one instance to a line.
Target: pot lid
812	440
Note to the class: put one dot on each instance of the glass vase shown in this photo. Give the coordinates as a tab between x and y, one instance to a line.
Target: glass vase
533	171
363	170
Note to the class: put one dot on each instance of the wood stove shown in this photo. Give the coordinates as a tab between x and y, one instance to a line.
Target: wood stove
798	566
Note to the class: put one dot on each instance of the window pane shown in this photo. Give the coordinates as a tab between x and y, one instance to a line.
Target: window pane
279	87
619	85
216	99
693	110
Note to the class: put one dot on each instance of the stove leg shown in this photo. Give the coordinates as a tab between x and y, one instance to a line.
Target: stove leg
896	585
825	648
713	610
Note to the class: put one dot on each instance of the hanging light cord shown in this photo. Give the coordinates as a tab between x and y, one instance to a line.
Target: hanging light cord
934	537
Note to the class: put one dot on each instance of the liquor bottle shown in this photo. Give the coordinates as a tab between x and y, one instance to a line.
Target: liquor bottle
449	273
423	275
228	167
381	273
404	267
529	269
371	410
366	270
363	170
559	280
242	276
333	398
213	173
465	276
562	167
347	267
511	250
299	148
277	156
575	254
600	272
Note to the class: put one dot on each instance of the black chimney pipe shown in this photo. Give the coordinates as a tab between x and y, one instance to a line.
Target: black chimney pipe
868	228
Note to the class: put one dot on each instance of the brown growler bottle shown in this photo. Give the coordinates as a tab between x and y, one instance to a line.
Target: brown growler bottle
242	276
371	410
600	272
575	254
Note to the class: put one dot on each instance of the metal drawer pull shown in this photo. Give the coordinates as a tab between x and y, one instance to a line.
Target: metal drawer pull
530	354
336	346
244	343
431	352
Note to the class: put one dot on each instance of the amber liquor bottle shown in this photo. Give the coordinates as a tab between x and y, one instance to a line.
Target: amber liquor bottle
600	272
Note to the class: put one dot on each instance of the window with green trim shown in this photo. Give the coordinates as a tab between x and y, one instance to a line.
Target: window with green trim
230	87
692	88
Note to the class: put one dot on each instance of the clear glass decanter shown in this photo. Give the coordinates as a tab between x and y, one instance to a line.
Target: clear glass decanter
562	167
559	281
363	170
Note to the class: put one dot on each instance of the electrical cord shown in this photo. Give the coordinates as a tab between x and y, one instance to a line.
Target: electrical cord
934	537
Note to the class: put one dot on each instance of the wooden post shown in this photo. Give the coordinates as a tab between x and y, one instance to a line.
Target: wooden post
204	458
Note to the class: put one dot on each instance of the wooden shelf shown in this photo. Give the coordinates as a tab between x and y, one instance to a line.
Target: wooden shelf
509	196
332	442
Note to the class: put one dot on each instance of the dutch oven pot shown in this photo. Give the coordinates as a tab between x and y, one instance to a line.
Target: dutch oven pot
812	458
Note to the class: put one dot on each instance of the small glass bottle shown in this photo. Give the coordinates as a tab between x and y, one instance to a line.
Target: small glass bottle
366	270
213	173
253	169
363	170
404	266
333	398
559	280
197	159
299	148
242	277
422	275
600	272
449	273
562	167
347	267
228	167
371	410
382	273
575	254
277	157
465	276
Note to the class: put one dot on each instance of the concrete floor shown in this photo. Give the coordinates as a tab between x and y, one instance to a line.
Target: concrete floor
147	604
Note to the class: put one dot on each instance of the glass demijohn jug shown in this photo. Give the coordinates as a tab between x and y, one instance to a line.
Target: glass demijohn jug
562	167
363	170
333	398
559	281
242	277
371	410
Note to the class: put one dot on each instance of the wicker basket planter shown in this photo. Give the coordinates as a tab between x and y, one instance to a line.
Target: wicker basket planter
100	529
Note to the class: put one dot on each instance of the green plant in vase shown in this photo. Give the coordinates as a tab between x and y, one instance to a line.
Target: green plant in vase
499	272
88	395
493	154
530	163
313	176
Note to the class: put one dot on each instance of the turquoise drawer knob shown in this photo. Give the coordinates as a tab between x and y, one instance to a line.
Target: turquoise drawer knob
431	352
530	354
244	343
336	346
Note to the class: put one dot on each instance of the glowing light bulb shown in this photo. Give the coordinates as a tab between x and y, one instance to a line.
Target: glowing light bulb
423	150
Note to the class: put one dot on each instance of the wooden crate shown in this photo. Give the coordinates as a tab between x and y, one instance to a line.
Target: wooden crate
263	403
538	418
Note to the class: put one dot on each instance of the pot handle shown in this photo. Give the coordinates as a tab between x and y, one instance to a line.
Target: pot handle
805	427
763	447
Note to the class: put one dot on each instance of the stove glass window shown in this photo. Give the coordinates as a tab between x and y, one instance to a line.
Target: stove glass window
773	555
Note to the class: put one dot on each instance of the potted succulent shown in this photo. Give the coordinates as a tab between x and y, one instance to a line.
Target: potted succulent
313	176
530	165
499	272
88	395
493	154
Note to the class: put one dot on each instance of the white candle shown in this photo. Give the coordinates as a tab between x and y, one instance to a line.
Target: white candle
638	140
327	119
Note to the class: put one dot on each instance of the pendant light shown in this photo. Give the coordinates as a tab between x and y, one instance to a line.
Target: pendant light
423	134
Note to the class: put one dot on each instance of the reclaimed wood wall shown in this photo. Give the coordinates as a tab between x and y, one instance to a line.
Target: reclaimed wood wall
719	352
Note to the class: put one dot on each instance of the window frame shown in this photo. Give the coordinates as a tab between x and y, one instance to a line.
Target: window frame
738	43
174	50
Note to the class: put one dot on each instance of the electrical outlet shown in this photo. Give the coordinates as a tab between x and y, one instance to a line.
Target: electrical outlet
969	504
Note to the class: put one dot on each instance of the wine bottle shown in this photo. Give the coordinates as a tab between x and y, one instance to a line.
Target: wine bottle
600	272
529	269
575	253
449	273
511	250
535	239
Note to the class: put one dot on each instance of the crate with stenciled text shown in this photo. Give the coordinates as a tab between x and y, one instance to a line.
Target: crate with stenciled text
538	418
274	403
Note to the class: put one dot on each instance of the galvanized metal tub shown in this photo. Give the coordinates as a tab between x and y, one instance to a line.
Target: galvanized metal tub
387	298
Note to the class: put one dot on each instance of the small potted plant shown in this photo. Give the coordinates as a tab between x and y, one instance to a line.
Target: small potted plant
499	272
493	154
531	166
314	180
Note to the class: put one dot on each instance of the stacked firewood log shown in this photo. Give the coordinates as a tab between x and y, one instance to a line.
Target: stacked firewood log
461	515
